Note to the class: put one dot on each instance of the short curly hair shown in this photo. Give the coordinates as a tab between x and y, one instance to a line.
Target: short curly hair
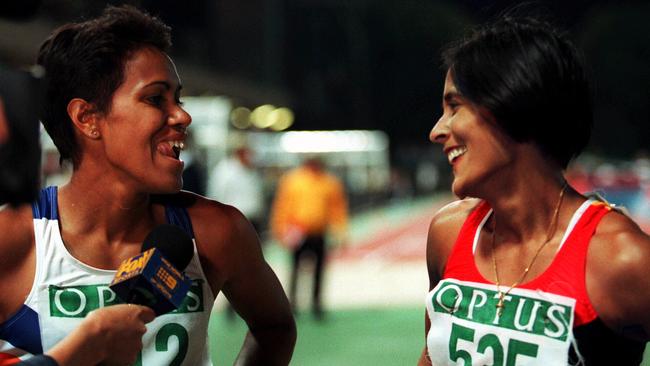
86	60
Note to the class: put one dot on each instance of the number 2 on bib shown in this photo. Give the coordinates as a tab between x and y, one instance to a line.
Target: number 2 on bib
162	343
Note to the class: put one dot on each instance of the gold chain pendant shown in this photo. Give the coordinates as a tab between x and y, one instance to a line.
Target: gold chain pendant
501	304
551	231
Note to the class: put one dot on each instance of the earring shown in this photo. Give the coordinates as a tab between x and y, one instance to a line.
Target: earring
94	133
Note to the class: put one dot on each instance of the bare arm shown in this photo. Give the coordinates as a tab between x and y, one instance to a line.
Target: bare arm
256	294
236	261
443	230
17	262
618	276
434	277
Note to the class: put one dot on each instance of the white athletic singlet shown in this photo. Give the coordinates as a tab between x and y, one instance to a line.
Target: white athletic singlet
65	290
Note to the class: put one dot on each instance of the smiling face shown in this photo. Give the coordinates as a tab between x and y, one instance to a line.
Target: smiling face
475	147
144	130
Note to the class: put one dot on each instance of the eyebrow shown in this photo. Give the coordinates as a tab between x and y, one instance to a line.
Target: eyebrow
165	84
451	95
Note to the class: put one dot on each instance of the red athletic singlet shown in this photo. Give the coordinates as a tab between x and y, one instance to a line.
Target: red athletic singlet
548	320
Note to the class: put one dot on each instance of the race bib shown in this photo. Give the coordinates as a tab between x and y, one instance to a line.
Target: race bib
534	327
166	342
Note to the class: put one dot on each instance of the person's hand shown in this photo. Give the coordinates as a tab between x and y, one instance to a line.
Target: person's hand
122	327
110	336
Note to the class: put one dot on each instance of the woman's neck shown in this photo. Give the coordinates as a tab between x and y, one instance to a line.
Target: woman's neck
109	209
525	199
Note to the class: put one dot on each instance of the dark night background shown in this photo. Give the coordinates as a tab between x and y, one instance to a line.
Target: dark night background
362	64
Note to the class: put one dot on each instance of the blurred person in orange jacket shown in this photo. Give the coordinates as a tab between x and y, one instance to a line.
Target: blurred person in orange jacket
309	203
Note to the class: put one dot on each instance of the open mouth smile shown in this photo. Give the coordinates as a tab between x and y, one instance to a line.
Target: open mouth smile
177	146
172	148
456	152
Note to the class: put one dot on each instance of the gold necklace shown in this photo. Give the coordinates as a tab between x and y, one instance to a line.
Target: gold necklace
551	230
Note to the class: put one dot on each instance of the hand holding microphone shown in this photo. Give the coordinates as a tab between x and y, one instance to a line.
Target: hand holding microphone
108	336
151	283
153	279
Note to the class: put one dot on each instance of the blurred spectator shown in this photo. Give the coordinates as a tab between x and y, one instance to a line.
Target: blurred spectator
309	202
234	181
55	173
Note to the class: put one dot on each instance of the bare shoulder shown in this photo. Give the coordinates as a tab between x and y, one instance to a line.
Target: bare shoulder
443	231
209	216
622	242
215	224
232	260
454	213
223	234
619	263
446	223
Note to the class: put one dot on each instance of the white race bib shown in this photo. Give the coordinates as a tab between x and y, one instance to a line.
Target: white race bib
466	329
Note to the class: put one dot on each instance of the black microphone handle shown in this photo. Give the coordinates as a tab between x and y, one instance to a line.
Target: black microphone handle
138	297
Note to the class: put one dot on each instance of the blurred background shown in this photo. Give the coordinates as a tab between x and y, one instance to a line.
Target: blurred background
358	83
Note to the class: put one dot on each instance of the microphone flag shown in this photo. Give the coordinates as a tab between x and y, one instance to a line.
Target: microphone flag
149	279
